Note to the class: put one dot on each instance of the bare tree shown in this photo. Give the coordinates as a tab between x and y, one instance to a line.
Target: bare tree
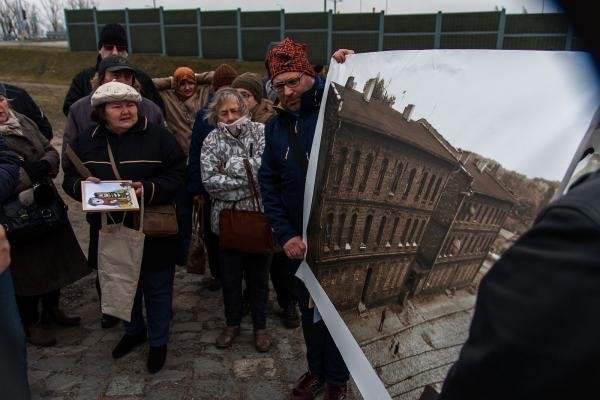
81	4
53	9
9	19
33	23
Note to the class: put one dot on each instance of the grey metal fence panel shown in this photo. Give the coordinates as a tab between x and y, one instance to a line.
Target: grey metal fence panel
233	34
181	32
409	32
311	29
257	30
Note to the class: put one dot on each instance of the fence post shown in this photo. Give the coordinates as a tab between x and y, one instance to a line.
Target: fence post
95	25
329	35
67	28
163	39
128	30
381	30
501	27
569	40
281	24
239	33
199	32
438	30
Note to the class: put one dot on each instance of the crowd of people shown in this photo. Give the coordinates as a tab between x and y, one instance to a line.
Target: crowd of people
202	140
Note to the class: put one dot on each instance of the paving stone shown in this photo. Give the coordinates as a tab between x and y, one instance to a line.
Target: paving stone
167	375
53	364
254	367
125	386
186	327
62	382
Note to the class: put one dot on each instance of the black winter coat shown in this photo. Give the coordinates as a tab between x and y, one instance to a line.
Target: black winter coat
536	328
21	102
147	153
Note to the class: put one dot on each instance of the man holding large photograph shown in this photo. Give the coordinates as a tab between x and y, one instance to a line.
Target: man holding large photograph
288	140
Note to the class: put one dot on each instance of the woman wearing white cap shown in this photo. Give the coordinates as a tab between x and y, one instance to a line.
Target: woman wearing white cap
149	156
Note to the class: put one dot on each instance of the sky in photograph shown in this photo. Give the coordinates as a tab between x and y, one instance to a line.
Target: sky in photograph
344	6
526	109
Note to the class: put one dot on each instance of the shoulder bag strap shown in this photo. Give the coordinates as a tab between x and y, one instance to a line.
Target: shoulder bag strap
112	160
295	146
252	185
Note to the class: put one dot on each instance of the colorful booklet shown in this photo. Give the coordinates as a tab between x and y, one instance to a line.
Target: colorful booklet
108	196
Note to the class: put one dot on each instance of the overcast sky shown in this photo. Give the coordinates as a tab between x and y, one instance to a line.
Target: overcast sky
344	6
526	109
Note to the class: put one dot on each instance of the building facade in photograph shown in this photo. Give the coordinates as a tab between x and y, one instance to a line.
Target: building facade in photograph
399	211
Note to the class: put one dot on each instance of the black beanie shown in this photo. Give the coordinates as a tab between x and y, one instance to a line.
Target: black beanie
113	34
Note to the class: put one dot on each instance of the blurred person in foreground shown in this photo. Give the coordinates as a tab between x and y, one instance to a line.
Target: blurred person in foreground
112	42
41	264
282	179
534	333
236	139
13	351
149	156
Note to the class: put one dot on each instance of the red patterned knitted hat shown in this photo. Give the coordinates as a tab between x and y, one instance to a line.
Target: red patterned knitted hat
289	56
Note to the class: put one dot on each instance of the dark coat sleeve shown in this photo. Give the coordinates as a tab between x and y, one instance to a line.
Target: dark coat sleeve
80	86
535	329
200	131
162	188
149	91
9	171
269	177
22	103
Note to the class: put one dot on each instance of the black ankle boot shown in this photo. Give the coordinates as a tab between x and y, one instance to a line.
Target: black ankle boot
108	321
156	358
128	343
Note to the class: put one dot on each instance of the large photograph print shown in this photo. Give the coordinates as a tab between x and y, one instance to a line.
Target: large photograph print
426	167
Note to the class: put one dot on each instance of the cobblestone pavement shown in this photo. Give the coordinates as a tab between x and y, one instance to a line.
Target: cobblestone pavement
80	366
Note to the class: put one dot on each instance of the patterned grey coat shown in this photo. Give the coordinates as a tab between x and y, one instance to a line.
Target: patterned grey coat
222	149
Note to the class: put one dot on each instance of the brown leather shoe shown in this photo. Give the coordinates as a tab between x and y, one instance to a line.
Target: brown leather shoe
335	392
40	336
55	314
262	341
226	337
307	387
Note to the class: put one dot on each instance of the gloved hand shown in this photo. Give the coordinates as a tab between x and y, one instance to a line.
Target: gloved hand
37	169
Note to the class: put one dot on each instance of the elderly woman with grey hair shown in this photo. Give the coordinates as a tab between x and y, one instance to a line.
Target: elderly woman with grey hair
235	139
149	156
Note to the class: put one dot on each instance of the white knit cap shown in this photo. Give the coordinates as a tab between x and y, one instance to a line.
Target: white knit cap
115	91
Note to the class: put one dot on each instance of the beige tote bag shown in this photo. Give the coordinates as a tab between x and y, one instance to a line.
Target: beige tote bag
120	251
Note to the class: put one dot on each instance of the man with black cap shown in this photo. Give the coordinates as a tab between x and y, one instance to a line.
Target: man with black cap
113	42
282	177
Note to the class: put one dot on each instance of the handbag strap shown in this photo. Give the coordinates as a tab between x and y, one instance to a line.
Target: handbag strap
112	160
252	185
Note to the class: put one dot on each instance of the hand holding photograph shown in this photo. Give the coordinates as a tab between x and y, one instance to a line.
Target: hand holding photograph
108	196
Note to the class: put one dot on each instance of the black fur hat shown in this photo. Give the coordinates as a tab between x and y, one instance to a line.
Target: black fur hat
113	34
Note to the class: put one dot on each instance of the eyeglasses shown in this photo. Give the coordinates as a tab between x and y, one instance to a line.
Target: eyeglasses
110	47
291	83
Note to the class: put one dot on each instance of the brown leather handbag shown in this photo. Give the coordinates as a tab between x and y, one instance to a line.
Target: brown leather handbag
159	220
243	230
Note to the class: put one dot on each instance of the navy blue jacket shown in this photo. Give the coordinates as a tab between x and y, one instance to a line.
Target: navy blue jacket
200	131
535	332
280	176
